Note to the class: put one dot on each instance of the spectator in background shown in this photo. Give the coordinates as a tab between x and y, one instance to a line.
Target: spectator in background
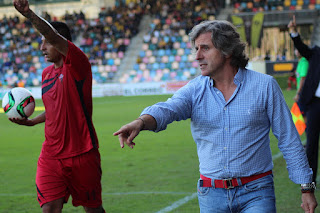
267	56
232	110
310	95
292	80
301	73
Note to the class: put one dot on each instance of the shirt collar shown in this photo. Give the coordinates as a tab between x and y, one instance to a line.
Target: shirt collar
238	78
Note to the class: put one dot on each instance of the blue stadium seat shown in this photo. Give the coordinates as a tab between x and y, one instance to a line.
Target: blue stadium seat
161	52
136	66
110	61
94	69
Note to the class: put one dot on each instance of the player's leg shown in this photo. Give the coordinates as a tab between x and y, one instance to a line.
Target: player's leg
85	184
94	210
53	206
51	187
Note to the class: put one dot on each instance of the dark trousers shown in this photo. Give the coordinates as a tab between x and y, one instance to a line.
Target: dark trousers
313	130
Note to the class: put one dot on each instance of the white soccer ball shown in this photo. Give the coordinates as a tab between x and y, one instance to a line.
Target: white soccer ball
18	103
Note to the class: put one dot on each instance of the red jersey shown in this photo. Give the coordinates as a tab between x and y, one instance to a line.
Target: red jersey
67	97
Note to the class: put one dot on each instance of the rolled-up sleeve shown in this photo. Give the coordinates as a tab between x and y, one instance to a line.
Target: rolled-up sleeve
176	108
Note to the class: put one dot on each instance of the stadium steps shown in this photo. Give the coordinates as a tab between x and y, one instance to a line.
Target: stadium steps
77	42
316	33
134	48
225	13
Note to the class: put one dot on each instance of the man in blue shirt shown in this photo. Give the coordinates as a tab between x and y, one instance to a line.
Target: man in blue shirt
232	110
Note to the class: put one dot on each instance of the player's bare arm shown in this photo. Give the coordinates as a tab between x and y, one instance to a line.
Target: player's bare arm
44	27
131	130
30	122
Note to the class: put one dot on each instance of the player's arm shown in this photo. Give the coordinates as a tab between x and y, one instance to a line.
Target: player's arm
30	122
129	131
44	27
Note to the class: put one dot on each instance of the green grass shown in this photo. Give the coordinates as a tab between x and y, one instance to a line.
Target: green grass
161	169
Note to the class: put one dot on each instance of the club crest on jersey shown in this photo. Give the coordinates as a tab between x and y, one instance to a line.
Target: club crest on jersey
47	76
61	77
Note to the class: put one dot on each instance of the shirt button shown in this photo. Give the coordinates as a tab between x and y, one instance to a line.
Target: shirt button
225	148
226	128
225	108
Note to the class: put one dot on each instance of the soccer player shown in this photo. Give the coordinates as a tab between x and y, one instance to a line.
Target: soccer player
232	110
69	162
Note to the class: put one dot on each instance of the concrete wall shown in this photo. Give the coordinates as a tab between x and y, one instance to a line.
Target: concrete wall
259	66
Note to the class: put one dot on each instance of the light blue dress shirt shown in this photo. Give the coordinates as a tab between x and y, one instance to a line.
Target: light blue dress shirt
232	137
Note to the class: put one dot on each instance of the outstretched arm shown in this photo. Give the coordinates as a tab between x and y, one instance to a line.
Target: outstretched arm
30	122
292	25
303	49
44	27
131	130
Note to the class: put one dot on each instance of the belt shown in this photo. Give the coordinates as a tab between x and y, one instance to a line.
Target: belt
230	183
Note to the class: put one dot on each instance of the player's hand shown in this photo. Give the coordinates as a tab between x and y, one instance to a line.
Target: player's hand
292	25
22	6
309	202
24	121
128	132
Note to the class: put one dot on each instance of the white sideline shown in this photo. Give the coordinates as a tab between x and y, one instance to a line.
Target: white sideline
178	203
169	208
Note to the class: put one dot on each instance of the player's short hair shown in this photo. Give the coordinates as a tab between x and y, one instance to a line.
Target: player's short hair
224	37
62	29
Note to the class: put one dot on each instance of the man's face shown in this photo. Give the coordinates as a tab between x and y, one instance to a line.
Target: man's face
49	52
210	59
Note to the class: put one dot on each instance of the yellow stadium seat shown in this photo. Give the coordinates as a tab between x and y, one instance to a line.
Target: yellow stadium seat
287	3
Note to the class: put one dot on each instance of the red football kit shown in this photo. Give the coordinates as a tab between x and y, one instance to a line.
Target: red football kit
69	162
67	97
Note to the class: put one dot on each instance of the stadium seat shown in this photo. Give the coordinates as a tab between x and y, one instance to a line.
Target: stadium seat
145	60
165	59
177	58
94	69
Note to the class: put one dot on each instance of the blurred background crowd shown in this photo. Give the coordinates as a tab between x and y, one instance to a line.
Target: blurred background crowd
154	34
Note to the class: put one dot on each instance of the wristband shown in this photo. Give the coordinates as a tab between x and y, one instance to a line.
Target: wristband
307	190
143	123
308	187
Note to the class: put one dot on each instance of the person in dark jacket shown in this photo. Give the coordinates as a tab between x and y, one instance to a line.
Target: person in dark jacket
310	95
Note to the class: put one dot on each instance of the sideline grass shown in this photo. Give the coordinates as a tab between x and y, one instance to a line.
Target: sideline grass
160	170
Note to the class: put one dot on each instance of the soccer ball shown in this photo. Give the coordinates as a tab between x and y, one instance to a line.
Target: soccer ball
18	103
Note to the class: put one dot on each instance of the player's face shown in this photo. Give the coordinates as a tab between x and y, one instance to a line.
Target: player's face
210	59
49	52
